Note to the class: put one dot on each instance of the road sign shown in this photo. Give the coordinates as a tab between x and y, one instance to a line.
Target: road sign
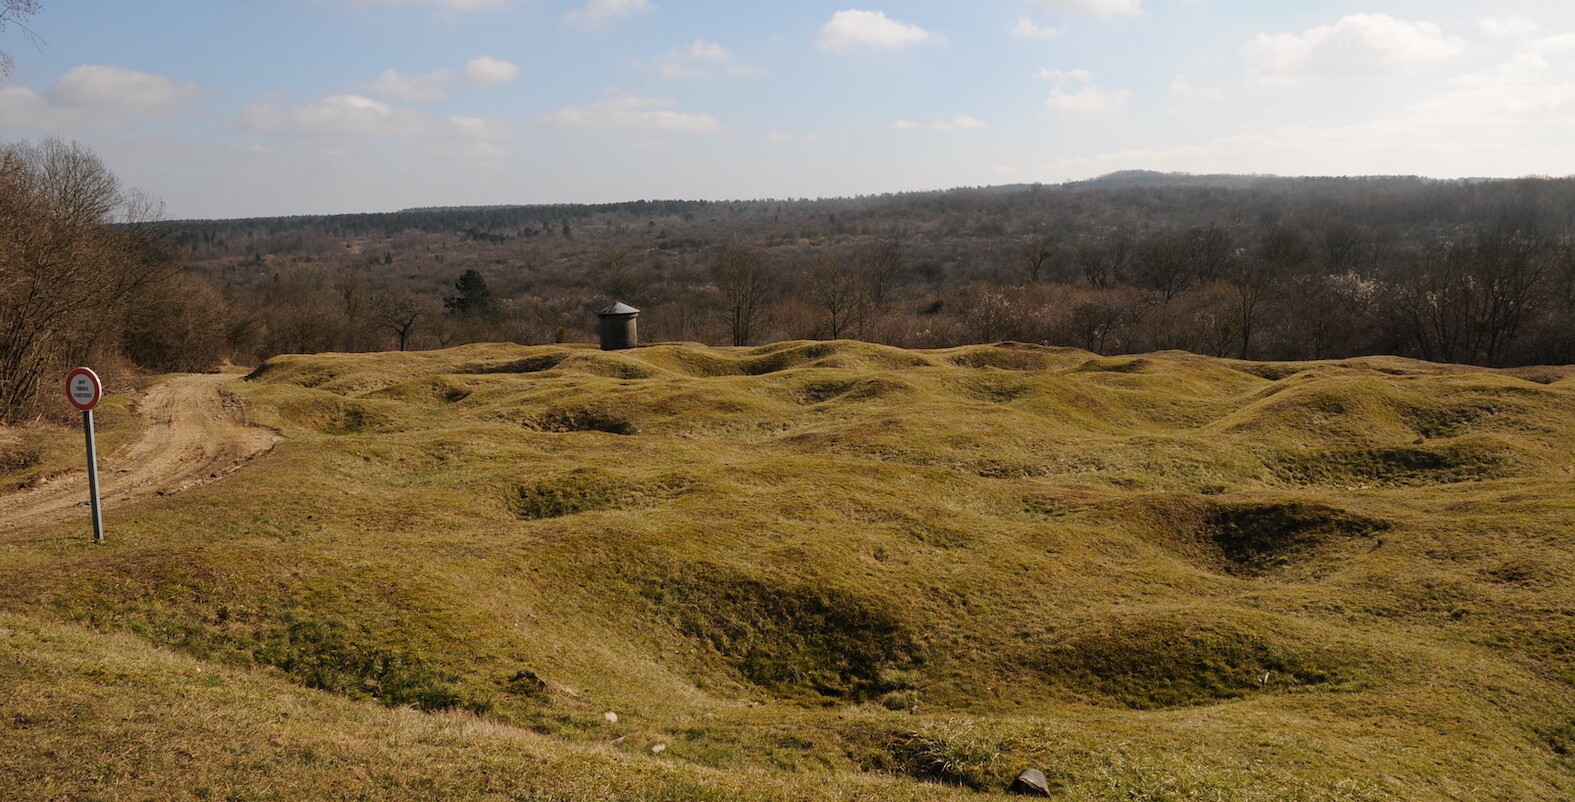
84	391
83	388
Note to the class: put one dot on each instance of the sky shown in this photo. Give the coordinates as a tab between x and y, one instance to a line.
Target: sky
244	108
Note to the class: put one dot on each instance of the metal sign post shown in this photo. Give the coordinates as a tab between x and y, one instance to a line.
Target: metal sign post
84	391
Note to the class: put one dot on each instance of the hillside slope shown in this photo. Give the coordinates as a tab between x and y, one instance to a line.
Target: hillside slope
826	570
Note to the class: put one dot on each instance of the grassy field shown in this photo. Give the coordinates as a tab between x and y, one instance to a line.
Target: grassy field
826	570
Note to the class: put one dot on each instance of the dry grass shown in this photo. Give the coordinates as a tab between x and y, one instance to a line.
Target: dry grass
1155	577
32	454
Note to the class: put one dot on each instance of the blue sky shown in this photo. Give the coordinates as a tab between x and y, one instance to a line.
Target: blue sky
230	108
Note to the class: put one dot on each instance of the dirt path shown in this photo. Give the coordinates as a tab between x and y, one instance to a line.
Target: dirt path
196	434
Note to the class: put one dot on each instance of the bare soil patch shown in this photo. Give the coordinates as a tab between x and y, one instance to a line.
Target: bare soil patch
197	433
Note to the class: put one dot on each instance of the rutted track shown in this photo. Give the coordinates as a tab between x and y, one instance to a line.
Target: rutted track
196	434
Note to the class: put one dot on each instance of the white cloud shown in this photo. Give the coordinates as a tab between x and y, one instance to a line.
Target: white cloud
701	59
361	116
1513	27
1511	120
22	109
126	91
1524	96
1094	8
1360	44
1555	44
706	51
1184	87
1075	92
1028	29
477	128
958	122
93	97
399	86
782	138
962	122
438	85
598	13
336	115
489	71
631	113
853	29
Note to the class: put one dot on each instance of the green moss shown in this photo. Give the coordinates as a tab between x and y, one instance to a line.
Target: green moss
589	489
334	655
1258	537
1398	465
1187	658
580	490
790	636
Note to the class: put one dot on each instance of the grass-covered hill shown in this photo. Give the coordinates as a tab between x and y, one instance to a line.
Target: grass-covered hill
823	570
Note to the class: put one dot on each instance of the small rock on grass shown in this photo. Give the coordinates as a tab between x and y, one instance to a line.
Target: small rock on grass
1031	782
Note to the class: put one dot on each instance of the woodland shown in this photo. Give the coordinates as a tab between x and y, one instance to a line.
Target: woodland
1264	268
1254	267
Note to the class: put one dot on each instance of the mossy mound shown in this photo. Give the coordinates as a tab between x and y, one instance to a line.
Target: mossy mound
1186	657
1459	461
587	490
1011	356
702	362
441	390
1312	407
1259	537
1249	535
790	636
332	414
1154	575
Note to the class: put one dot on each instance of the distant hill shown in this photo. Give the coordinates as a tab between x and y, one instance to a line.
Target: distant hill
1152	178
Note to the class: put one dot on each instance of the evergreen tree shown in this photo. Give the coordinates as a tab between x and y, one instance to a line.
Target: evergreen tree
474	301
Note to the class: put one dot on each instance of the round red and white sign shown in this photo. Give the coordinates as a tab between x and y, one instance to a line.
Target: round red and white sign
83	388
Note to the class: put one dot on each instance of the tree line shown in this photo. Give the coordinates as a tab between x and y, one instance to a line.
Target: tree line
1241	266
1251	267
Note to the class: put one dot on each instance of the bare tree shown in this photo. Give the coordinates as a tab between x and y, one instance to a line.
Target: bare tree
1209	249
66	273
741	278
836	296
12	12
397	312
1511	270
303	314
1036	252
1106	260
179	324
1257	276
1098	318
1468	303
878	271
619	277
1164	264
1343	246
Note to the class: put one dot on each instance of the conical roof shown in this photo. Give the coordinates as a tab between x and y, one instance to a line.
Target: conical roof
619	308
